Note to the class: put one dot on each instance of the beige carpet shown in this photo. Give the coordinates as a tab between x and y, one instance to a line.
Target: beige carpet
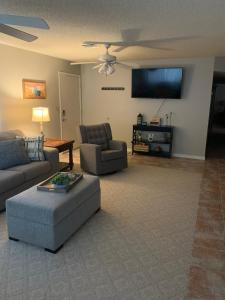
137	247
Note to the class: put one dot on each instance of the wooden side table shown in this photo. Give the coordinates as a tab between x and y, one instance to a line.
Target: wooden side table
62	145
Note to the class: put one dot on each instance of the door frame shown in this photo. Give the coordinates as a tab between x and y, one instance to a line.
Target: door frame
60	99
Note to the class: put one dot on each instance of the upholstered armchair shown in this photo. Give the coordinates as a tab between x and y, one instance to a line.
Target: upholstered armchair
99	153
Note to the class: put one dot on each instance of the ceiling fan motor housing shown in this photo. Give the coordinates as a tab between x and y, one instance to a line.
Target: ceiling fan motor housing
107	58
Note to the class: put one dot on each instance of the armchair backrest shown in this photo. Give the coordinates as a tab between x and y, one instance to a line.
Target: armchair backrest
99	134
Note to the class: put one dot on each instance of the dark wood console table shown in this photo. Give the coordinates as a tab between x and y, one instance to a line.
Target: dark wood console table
152	140
61	146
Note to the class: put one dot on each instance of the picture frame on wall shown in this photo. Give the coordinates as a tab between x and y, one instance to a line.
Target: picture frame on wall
34	89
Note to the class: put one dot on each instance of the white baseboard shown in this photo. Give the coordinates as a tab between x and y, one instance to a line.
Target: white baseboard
129	150
188	156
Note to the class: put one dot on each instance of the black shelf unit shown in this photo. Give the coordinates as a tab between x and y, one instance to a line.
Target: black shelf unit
164	143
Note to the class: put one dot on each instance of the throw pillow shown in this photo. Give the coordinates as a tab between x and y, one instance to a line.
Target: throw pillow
12	153
34	147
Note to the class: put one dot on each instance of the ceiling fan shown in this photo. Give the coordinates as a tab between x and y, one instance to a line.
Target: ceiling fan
105	61
33	22
130	37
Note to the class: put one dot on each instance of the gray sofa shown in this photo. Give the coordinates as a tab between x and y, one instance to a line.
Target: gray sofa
99	153
19	178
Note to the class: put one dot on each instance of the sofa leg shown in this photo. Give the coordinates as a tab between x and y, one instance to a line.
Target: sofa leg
54	251
98	210
13	239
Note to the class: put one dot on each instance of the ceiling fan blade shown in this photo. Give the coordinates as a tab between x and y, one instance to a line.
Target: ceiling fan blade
128	64
121	48
152	43
155	47
98	66
82	63
24	21
93	43
143	43
172	39
124	65
17	33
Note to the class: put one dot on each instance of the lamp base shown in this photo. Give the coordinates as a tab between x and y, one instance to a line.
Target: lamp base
42	131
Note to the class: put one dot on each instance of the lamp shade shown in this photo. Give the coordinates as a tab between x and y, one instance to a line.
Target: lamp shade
40	114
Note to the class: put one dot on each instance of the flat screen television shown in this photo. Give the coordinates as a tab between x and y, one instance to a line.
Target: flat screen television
157	83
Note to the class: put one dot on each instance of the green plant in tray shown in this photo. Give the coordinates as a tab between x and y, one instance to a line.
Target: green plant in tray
61	179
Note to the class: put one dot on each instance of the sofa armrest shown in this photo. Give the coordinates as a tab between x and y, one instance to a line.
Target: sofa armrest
52	155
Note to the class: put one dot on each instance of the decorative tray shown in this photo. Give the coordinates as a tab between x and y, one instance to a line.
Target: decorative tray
71	180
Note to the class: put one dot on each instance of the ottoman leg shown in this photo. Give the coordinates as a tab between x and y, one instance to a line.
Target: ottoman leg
13	239
54	251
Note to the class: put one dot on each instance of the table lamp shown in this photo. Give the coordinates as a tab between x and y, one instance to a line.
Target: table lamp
40	114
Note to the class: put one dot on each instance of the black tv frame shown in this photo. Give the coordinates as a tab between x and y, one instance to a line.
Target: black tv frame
155	68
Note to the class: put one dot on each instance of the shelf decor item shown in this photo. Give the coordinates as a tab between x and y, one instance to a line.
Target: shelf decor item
150	137
158	148
60	182
139	119
141	147
155	121
34	89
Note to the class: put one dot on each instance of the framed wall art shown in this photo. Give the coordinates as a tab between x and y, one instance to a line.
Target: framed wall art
34	89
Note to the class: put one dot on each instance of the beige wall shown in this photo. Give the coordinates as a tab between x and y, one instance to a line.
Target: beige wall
190	114
15	112
219	64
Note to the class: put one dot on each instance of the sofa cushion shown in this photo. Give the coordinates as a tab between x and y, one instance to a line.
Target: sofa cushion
10	180
12	153
33	169
111	154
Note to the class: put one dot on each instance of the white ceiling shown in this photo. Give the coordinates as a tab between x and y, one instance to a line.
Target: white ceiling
74	21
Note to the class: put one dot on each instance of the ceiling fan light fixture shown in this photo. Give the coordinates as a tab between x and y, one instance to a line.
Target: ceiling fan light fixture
106	69
102	68
110	70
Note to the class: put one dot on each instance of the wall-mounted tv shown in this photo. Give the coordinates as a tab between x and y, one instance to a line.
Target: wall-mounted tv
157	83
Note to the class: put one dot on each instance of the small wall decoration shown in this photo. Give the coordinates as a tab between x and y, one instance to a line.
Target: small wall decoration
113	88
34	89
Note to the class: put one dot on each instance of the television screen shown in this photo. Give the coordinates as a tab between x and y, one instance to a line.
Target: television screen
163	83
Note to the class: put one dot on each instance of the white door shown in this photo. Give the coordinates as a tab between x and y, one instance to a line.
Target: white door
70	107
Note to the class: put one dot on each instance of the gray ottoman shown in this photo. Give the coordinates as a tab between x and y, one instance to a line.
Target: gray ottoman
48	219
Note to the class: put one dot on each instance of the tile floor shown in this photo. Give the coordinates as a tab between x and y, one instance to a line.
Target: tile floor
207	272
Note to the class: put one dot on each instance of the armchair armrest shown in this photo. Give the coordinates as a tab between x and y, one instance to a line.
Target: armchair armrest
90	155
118	145
122	146
52	155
